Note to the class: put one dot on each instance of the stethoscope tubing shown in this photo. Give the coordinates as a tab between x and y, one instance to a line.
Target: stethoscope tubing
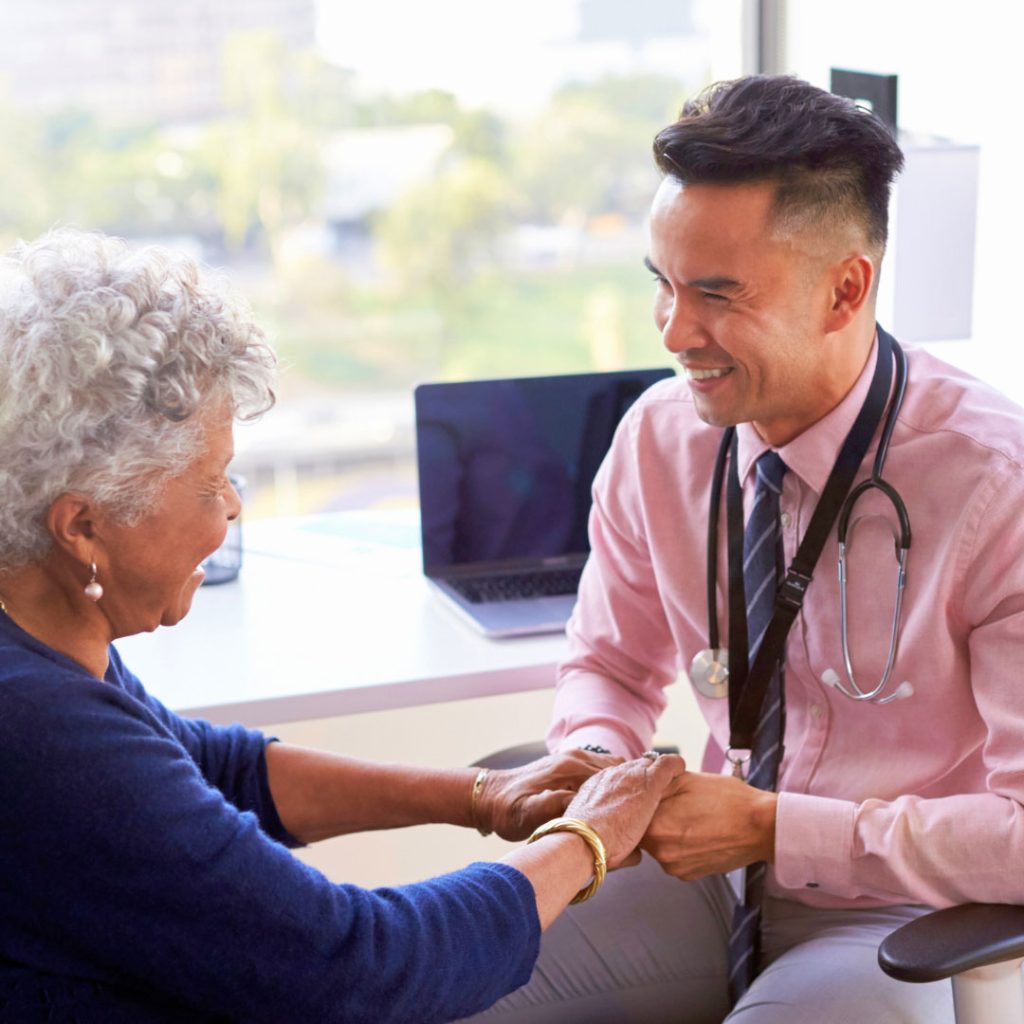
870	695
903	540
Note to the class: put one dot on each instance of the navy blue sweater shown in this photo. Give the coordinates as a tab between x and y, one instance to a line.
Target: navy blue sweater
144	876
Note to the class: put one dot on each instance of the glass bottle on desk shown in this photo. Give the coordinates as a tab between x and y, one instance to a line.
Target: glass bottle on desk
226	562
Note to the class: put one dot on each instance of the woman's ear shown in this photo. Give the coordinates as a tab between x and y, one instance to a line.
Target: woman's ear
851	287
71	521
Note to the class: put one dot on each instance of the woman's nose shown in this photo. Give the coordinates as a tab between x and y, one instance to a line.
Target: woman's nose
233	500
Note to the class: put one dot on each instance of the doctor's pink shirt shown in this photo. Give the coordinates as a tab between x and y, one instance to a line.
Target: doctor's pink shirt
914	801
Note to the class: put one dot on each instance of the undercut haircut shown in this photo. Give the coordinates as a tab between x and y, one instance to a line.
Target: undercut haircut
833	162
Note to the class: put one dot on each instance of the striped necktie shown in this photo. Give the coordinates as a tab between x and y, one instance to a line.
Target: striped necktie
762	567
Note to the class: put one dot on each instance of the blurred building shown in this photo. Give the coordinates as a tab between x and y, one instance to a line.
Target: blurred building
133	60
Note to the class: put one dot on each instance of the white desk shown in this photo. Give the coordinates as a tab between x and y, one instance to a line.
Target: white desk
330	616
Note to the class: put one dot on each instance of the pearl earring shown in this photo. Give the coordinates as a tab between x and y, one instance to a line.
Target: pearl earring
93	590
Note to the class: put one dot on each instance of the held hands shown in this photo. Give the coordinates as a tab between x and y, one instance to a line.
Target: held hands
619	801
514	802
708	824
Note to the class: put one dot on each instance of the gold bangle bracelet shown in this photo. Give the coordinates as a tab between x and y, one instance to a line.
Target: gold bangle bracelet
474	800
591	838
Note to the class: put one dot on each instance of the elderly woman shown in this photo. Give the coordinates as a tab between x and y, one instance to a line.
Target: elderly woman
144	867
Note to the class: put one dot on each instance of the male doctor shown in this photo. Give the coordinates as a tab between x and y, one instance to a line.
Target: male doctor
849	816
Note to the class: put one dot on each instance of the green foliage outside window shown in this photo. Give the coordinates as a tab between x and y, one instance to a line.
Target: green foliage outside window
446	293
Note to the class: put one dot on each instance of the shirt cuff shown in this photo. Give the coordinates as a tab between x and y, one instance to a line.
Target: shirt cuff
814	843
270	820
597	736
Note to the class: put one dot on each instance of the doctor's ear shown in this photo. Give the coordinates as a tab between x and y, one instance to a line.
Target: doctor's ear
851	286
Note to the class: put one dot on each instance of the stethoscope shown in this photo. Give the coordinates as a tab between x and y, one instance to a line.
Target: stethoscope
902	542
709	671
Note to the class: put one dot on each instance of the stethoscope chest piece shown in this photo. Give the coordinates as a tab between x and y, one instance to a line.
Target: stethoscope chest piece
709	672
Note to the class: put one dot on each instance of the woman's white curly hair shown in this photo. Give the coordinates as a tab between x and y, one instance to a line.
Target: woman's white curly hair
108	358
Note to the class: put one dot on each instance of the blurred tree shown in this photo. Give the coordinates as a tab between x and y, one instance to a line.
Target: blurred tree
476	132
320	94
264	155
67	168
25	206
588	153
440	232
246	175
427	106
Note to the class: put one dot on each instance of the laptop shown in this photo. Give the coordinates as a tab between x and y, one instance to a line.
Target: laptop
505	471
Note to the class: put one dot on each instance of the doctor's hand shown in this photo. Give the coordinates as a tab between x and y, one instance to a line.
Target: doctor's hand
515	801
708	824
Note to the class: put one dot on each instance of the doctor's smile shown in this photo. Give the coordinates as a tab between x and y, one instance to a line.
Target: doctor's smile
695	374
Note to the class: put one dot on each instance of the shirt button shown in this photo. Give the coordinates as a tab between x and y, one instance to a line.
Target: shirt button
787	520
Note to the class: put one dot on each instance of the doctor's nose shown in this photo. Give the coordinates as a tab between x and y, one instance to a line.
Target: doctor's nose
680	330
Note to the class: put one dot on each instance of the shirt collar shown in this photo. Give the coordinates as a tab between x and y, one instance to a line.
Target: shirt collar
811	454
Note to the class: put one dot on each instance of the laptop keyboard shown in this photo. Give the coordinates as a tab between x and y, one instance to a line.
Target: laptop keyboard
511	586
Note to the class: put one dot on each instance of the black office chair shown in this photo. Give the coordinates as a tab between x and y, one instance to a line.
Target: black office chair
512	757
524	753
980	946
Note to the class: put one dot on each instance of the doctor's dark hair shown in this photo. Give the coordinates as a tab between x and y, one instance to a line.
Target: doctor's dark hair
833	162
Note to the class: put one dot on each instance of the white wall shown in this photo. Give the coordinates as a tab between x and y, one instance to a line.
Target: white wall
959	68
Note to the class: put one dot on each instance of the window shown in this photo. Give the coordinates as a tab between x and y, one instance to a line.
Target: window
405	191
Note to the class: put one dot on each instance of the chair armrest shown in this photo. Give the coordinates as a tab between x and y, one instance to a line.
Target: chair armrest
953	940
513	757
524	753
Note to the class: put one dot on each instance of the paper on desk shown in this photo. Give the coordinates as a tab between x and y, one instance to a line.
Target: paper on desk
390	540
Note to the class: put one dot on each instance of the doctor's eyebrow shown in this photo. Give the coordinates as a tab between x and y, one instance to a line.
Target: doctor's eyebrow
715	283
651	267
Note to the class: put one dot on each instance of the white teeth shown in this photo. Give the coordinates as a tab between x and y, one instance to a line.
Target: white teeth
707	374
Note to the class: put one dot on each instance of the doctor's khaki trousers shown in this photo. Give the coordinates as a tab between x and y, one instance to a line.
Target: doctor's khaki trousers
650	949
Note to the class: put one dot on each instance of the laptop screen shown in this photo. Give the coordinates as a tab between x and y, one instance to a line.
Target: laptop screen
506	466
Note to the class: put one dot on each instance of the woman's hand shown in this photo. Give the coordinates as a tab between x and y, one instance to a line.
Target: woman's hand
619	802
515	801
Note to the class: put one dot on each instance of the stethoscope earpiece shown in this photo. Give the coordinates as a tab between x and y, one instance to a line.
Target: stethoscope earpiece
902	692
829	677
